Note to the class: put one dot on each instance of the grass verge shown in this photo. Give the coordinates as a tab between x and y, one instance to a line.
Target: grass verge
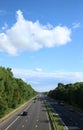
12	111
53	117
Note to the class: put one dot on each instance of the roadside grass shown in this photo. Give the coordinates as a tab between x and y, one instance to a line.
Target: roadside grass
12	111
54	118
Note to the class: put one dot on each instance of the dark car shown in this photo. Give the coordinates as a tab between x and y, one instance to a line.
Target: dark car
71	110
25	113
34	101
61	103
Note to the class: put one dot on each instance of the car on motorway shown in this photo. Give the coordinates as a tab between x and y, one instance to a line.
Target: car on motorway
71	110
34	101
24	113
61	103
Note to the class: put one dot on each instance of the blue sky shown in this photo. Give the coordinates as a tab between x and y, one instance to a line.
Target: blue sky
42	41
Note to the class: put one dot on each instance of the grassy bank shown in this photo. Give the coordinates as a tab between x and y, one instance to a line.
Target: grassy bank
12	111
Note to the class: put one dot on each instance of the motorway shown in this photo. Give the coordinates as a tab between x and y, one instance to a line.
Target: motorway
71	118
36	118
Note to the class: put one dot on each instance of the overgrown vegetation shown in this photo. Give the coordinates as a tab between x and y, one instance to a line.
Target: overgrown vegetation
13	91
70	93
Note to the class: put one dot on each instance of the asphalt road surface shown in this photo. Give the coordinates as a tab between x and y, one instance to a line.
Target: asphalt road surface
36	118
72	118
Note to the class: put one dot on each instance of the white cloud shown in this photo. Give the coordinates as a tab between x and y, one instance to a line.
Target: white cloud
28	35
76	25
5	45
39	69
5	26
34	82
40	80
42	74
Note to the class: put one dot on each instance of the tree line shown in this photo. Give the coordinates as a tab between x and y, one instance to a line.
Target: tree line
70	93
13	91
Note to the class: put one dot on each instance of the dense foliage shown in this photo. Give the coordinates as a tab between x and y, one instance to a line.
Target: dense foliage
70	93
13	91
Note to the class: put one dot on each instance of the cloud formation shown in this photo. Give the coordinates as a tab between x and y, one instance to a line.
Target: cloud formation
75	25
26	35
45	81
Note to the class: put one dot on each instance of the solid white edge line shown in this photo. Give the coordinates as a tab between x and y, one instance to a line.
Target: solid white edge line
16	118
12	123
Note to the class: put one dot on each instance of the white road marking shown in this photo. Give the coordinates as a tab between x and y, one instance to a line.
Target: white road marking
22	126
36	126
12	123
17	118
28	106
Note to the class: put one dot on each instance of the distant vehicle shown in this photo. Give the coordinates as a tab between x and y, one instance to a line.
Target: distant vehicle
61	103
71	109
24	113
34	101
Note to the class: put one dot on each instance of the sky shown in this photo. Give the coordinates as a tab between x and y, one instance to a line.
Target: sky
42	41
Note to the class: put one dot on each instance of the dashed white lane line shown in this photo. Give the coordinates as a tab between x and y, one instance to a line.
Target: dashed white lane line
36	126
22	126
